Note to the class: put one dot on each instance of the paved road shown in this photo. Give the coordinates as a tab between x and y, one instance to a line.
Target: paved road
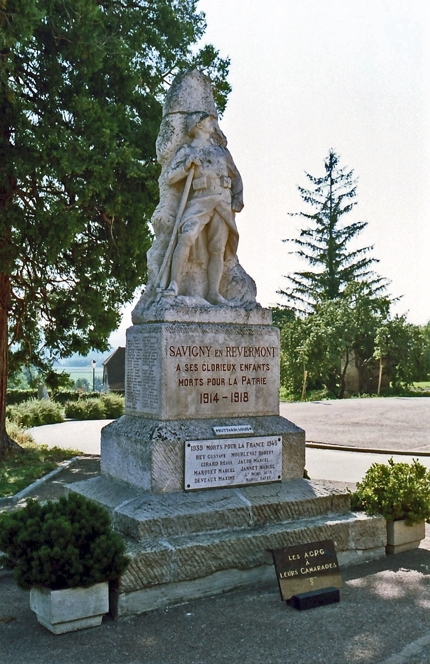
387	425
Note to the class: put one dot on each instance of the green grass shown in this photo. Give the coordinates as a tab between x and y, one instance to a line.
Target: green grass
311	395
19	470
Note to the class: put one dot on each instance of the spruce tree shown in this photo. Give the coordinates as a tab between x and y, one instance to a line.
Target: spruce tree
325	242
81	90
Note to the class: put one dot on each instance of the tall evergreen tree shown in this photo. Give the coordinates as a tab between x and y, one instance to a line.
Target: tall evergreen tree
81	88
325	243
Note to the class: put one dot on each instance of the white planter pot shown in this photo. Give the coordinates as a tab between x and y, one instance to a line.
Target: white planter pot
71	609
401	537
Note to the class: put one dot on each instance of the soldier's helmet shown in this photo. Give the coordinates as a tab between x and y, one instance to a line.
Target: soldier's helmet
194	118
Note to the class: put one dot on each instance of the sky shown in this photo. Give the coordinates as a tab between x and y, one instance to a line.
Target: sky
308	76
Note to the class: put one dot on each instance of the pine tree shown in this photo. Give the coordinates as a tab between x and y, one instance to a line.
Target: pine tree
81	90
324	244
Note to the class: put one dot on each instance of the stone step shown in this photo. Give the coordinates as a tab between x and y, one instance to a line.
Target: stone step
175	569
142	515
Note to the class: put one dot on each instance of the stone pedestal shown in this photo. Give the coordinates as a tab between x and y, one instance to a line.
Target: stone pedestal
186	381
205	392
149	454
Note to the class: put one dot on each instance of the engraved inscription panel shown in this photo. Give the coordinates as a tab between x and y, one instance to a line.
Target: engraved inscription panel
142	373
196	371
222	371
232	462
305	567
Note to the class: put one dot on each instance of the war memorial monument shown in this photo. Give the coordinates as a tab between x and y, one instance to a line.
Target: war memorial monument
202	476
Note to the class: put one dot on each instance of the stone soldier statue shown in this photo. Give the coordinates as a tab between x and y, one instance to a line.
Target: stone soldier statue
193	259
216	195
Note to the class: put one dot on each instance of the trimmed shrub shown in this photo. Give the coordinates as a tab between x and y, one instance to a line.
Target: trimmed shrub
395	490
113	405
35	413
71	395
85	409
61	544
18	396
106	406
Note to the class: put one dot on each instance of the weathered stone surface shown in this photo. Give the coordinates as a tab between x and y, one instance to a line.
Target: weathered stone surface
157	597
147	516
187	545
197	561
186	370
164	311
149	454
193	259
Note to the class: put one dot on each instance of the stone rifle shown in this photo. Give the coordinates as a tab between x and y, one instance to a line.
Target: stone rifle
163	274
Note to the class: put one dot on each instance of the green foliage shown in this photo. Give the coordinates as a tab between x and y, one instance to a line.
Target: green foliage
324	244
355	328
88	409
18	433
35	413
18	396
81	91
82	384
107	406
113	404
282	315
402	347
32	412
316	347
71	395
61	544
396	491
58	380
19	470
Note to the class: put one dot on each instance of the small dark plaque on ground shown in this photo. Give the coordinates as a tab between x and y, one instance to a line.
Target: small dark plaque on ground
306	568
314	599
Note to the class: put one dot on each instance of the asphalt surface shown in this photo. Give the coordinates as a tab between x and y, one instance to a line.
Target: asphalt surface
383	615
382	618
380	428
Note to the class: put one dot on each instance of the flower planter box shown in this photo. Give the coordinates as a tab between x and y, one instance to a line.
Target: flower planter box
401	537
71	609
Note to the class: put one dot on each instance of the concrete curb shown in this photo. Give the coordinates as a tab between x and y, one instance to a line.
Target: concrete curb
365	450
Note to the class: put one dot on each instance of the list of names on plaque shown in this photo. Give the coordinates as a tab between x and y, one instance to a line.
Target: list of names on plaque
142	371
232	462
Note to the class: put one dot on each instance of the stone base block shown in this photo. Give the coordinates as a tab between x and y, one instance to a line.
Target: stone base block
184	546
149	454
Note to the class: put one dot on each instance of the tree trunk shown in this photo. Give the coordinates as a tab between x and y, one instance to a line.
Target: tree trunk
380	376
7	445
305	380
342	386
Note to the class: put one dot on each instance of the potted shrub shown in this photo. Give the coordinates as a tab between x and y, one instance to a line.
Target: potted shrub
66	552
401	493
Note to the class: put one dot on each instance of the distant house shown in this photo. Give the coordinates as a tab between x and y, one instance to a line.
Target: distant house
114	371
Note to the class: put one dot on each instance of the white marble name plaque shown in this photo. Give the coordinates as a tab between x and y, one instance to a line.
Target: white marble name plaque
239	428
232	462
